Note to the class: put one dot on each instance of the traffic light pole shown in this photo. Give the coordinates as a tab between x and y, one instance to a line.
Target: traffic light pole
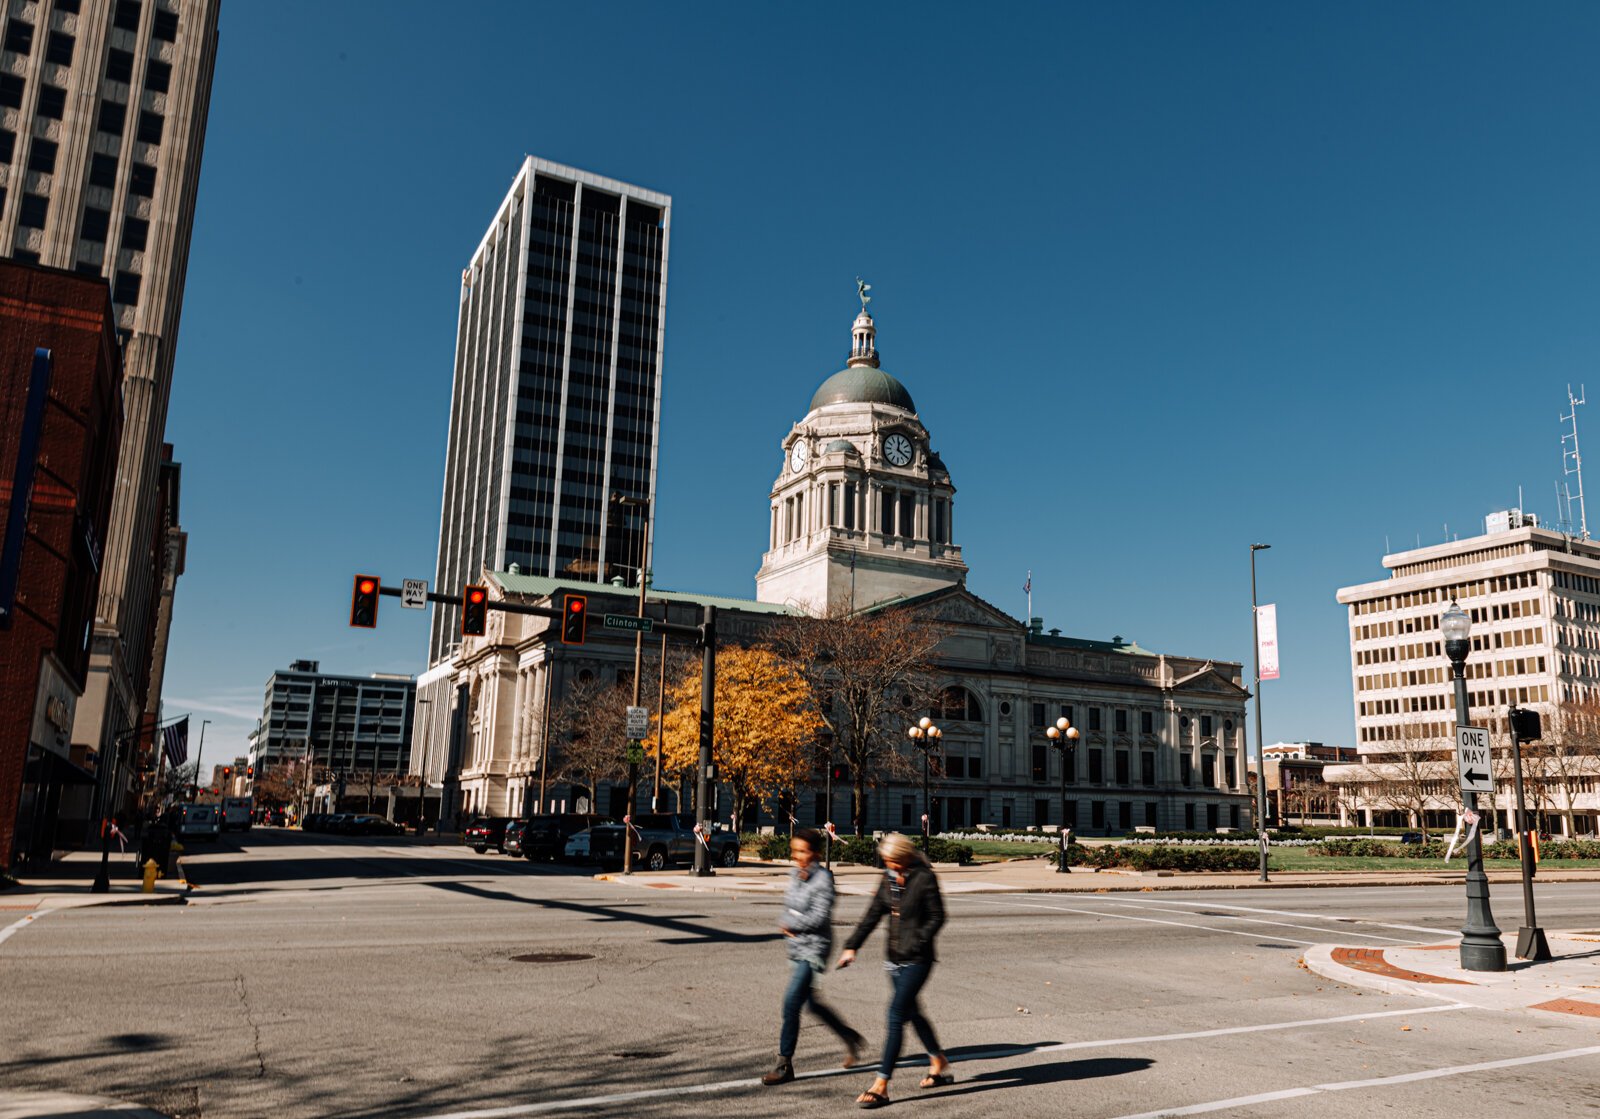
706	775
1531	942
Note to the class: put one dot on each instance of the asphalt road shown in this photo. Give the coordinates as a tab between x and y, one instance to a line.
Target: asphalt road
325	976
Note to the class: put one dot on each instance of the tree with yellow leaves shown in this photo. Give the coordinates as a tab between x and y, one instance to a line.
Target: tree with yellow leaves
765	728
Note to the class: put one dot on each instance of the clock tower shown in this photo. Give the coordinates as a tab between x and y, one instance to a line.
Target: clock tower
861	512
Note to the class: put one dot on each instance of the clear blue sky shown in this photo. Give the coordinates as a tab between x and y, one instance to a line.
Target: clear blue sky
1164	279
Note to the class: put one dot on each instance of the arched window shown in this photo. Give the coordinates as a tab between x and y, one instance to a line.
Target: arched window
956	704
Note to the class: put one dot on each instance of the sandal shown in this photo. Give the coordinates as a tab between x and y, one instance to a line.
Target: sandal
937	1080
870	1099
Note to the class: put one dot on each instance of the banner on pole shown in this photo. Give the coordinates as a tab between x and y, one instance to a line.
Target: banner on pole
1267	640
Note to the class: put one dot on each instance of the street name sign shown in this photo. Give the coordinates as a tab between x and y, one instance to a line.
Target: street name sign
638	722
1472	760
414	594
629	622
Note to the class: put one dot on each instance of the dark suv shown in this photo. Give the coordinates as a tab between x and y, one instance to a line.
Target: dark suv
545	837
490	831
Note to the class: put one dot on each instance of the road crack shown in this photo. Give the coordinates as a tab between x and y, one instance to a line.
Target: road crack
255	1027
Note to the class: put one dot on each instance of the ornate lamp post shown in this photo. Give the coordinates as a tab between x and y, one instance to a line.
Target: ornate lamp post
1064	737
926	736
1481	947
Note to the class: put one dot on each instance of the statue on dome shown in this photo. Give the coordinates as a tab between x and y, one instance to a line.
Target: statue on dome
861	291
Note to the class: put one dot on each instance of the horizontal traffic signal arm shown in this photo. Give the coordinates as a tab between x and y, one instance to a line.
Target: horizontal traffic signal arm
673	629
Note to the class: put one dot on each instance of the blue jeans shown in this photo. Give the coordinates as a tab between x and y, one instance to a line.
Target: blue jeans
907	981
798	993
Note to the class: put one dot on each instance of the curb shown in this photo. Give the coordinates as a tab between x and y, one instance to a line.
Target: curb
1319	961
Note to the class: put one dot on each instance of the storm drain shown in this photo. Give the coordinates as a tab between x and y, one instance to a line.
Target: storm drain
551	958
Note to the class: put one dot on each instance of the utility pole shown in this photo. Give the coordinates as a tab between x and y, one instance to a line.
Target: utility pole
194	786
638	666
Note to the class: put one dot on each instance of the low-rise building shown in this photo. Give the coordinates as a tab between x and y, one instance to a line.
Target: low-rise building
1297	793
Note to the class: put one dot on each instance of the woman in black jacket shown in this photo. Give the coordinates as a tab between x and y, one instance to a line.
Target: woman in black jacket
909	894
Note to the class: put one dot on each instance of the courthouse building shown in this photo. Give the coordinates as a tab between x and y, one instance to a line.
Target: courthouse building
1534	599
862	516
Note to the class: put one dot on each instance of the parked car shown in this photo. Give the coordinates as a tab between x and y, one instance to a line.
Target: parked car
367	824
577	848
1411	837
339	823
313	821
545	836
490	831
195	821
661	839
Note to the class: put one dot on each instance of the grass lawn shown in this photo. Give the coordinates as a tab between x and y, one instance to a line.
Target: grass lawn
1301	858
996	850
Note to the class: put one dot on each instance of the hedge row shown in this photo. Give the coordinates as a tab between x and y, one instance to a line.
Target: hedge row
1163	858
1435	849
863	849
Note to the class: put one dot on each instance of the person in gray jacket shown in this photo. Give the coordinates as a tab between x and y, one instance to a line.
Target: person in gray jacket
807	926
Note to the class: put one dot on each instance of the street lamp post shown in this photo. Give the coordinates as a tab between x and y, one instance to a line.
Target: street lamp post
1064	737
422	784
1481	946
926	736
1261	753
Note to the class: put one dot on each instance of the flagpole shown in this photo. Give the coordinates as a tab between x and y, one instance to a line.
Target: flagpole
1028	587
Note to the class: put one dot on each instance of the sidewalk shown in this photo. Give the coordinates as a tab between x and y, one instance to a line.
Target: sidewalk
39	1105
67	883
1035	876
1567	984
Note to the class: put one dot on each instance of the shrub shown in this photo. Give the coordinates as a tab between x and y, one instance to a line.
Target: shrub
1163	858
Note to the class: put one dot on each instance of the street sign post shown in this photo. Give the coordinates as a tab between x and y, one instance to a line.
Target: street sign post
629	622
414	594
638	722
1472	760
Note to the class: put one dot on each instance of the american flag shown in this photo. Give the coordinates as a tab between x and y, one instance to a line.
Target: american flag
175	742
1027	588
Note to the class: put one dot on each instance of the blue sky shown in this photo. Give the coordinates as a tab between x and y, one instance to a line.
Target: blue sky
1164	279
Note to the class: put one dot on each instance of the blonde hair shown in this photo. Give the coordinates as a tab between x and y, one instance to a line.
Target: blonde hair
899	848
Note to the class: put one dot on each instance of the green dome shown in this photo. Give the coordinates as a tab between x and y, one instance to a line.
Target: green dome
862	384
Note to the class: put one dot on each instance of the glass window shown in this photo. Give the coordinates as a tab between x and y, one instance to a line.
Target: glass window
8	145
1122	767
1205	726
1120	722
19	36
1125	814
1097	767
135	232
164	26
1230	768
112	117
103	171
1097	813
142	180
119	65
1038	714
125	291
35	208
1147	768
42	156
149	127
66	5
1041	763
157	76
96	224
1094	718
1186	772
1208	770
127	16
52	102
1147	723
58	48
11	88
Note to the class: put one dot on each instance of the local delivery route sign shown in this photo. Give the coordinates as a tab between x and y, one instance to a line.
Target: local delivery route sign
1472	760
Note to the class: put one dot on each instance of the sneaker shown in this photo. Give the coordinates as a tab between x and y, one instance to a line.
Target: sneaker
782	1073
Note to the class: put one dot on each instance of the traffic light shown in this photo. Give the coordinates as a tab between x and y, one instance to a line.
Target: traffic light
474	611
364	602
840	772
574	618
227	774
250	773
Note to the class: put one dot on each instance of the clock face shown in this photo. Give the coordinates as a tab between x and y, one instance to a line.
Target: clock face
897	448
797	457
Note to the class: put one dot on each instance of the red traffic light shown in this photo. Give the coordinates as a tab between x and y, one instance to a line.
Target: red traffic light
574	619
475	595
474	610
364	601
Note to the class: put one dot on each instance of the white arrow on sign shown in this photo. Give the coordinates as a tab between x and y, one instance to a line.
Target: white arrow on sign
414	594
1473	760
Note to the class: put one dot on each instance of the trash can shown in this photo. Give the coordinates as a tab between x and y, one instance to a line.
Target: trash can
157	845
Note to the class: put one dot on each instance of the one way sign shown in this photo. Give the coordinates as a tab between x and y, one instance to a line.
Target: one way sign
1472	760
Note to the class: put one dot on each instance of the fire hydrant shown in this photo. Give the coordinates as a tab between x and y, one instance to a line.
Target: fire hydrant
151	872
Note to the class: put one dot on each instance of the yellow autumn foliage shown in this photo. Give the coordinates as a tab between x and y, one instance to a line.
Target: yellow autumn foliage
764	729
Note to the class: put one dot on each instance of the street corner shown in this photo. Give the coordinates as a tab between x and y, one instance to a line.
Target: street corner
1568	983
62	1105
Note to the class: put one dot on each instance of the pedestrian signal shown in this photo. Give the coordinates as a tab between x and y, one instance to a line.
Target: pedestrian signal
474	611
364	602
574	618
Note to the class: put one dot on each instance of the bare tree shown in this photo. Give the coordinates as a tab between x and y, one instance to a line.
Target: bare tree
1567	756
870	675
588	732
1414	777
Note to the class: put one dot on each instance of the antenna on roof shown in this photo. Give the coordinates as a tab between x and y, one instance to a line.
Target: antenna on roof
1572	460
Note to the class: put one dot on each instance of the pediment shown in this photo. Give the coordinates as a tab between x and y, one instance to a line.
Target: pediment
958	606
1208	680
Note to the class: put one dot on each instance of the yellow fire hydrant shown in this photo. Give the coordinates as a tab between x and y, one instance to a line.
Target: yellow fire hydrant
151	872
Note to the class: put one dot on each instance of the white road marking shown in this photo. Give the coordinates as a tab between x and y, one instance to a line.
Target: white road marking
1377	1082
1265	921
995	1054
15	927
1148	920
1316	917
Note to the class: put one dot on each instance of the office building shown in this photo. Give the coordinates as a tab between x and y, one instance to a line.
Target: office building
557	386
1533	596
103	108
54	512
337	722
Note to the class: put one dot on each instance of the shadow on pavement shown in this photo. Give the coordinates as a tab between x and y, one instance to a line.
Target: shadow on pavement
696	934
1052	1072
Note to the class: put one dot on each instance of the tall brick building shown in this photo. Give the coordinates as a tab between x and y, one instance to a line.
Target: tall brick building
49	585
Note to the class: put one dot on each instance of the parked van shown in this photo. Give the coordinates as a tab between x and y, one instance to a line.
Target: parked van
195	821
236	813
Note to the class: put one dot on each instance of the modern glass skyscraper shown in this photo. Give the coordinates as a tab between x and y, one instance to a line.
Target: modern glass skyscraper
103	108
557	394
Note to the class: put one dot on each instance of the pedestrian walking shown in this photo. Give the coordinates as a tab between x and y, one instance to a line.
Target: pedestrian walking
807	927
909	893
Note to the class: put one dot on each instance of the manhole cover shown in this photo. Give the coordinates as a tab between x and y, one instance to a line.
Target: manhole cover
551	957
640	1054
